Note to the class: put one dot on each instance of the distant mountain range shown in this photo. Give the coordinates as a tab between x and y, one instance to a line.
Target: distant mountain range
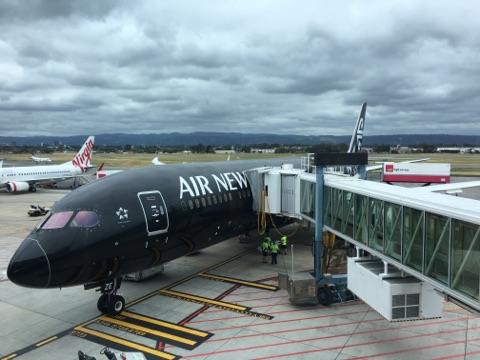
224	138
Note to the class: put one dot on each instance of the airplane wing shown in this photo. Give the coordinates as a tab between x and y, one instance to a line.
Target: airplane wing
374	167
49	180
451	187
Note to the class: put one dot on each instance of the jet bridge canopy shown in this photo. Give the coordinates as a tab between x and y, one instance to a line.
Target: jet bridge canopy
433	237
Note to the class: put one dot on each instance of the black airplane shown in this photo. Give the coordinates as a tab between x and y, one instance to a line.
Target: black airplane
135	220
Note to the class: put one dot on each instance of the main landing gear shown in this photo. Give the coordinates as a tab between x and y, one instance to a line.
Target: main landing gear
109	302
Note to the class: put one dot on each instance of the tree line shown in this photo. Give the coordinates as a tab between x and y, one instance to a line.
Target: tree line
326	147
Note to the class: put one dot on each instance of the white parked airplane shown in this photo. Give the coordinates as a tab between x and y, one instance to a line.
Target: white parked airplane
40	160
18	179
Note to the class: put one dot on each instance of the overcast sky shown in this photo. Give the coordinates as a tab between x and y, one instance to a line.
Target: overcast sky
285	67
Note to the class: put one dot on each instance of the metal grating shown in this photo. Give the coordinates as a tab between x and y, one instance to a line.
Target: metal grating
413	311
405	306
398	313
413	299
398	300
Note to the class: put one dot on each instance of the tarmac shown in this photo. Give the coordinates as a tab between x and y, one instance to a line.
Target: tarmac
222	302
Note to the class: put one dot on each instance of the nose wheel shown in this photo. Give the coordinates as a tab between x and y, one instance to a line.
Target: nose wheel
109	302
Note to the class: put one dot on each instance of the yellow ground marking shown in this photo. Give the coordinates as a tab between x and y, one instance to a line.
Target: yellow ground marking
165	324
204	300
149	331
127	343
46	341
238	281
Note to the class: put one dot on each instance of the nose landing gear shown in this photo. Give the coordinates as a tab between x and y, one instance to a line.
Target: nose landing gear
109	302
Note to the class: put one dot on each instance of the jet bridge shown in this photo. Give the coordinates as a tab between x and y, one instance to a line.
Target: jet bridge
414	248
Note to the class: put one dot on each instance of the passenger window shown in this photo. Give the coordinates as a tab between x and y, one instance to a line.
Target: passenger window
57	220
85	219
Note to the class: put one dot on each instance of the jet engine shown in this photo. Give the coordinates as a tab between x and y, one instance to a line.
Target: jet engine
15	186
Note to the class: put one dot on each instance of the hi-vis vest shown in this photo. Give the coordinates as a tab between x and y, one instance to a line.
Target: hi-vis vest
265	246
274	248
284	240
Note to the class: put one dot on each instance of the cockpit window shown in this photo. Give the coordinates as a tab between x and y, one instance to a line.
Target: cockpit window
57	220
85	219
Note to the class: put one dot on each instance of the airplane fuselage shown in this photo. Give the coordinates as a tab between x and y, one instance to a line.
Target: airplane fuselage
37	173
155	215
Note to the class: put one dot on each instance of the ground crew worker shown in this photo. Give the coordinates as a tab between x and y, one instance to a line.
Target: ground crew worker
283	246
274	251
267	239
265	248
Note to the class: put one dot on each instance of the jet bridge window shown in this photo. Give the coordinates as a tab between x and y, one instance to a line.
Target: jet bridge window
307	200
85	219
57	220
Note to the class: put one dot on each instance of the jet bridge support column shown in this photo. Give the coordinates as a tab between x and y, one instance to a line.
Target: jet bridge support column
318	243
322	160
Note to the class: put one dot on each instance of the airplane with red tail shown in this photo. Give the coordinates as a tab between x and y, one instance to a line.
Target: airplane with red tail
22	179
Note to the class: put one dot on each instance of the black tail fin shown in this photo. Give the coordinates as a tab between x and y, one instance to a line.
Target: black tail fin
357	137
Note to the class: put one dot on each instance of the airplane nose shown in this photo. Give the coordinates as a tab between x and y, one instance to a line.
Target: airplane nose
29	266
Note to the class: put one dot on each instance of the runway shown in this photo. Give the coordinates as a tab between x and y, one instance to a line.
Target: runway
222	302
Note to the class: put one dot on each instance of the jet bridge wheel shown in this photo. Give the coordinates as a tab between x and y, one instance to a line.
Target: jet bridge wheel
325	295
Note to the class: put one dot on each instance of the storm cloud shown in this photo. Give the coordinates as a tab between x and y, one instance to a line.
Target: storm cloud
283	67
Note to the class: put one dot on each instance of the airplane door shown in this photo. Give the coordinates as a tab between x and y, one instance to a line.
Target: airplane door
155	211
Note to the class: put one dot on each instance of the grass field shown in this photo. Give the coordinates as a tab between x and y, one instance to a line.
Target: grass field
141	160
462	164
